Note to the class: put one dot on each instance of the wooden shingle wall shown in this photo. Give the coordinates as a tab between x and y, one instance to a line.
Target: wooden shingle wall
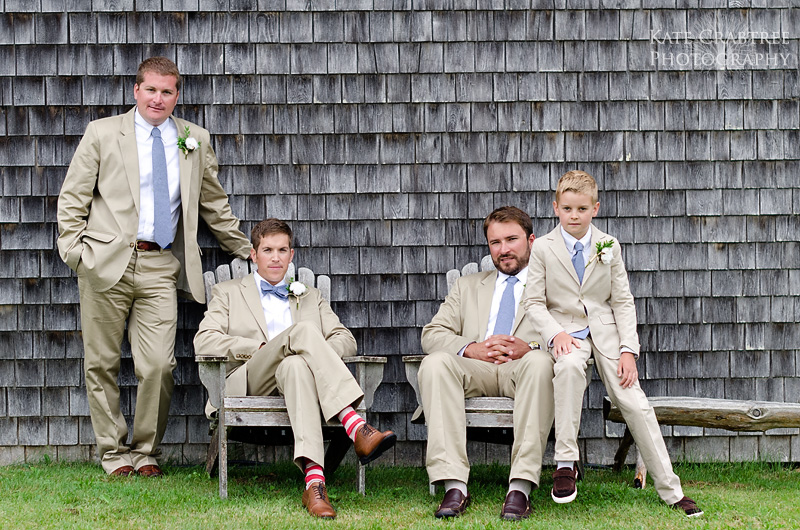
385	131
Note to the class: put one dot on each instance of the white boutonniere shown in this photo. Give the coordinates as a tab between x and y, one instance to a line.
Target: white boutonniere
296	289
187	143
605	252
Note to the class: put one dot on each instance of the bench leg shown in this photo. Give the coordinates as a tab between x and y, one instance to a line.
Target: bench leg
622	451
433	490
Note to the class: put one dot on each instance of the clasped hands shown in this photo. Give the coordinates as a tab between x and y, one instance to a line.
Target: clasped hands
498	349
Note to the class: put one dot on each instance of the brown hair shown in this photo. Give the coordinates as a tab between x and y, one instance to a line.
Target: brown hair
160	66
268	227
577	181
509	214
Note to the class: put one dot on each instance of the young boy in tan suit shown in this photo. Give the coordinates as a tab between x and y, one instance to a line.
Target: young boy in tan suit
579	300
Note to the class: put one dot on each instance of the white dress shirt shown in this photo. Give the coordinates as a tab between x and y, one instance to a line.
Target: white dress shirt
277	312
144	148
586	241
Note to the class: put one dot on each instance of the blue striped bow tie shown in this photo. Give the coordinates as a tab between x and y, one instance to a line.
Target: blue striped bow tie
276	290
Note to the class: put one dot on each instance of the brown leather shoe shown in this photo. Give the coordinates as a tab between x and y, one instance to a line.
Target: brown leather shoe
371	443
123	471
516	507
689	507
453	504
564	489
315	499
151	471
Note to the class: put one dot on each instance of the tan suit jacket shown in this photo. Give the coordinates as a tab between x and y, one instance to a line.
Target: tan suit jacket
464	316
98	208
234	326
556	300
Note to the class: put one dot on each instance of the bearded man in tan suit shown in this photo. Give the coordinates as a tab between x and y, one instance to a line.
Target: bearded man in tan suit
481	343
286	339
127	220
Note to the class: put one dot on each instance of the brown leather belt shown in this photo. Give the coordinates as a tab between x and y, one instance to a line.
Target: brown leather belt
146	246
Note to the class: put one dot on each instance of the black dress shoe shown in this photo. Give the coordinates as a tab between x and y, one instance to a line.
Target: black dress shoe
516	507
453	504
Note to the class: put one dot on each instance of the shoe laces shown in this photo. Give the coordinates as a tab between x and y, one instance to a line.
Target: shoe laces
319	491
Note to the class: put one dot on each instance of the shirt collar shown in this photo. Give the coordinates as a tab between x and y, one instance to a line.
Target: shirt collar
259	279
141	122
586	240
522	276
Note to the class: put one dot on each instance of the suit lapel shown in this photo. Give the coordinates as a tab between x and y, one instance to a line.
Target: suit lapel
186	163
253	301
130	155
485	294
559	248
597	236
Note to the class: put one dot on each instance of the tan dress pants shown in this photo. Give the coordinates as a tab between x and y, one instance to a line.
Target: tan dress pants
311	377
446	380
570	383
146	297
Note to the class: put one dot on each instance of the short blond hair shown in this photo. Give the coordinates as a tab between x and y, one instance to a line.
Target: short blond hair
577	181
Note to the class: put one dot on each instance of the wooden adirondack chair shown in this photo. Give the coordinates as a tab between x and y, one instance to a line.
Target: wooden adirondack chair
264	420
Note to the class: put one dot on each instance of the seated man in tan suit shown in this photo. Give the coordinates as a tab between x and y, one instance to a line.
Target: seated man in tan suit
481	343
286	339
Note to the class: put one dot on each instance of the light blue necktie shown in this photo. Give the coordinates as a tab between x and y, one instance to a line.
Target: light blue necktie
279	291
507	310
580	268
162	214
577	260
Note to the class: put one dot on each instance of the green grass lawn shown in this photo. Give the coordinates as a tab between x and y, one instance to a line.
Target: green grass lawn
752	495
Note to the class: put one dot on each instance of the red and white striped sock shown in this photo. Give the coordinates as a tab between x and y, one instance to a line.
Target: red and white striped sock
313	473
351	421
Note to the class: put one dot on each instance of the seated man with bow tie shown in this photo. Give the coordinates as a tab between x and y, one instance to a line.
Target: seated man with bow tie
289	340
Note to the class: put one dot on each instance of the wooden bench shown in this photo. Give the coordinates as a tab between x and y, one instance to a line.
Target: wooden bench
730	414
264	420
489	419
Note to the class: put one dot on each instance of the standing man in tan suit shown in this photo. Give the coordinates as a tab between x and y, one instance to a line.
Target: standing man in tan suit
579	300
127	220
480	343
286	339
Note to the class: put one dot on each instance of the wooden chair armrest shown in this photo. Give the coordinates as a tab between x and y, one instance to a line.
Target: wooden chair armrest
412	363
212	374
210	358
368	373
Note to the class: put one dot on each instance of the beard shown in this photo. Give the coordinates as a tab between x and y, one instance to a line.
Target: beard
513	267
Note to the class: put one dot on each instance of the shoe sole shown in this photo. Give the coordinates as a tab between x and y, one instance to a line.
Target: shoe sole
513	516
698	514
386	444
564	500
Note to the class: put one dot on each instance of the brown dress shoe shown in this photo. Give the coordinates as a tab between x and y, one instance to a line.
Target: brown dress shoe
516	507
689	507
453	504
564	489
152	471
123	471
315	499
371	443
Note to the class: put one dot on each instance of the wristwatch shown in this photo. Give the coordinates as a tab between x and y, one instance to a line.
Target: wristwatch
534	345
